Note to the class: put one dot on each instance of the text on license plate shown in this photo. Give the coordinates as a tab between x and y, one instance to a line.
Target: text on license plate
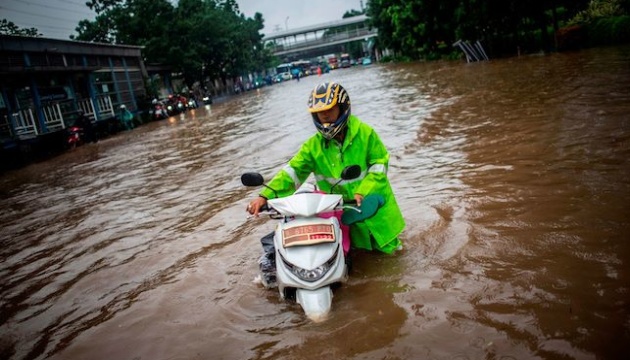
308	235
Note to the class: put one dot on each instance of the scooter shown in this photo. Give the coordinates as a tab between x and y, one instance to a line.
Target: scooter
311	250
191	104
75	136
159	111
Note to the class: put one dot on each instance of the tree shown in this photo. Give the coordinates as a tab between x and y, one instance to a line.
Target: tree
197	38
599	9
9	28
426	29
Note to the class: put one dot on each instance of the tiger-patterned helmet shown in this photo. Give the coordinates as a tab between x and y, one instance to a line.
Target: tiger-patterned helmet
324	97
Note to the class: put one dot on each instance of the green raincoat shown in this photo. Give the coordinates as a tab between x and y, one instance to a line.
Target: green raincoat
326	159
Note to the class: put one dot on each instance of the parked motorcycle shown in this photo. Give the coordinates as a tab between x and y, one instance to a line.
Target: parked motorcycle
83	130
181	106
170	109
175	104
158	110
75	137
191	104
311	250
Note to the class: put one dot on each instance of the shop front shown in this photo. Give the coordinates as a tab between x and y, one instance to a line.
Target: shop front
46	83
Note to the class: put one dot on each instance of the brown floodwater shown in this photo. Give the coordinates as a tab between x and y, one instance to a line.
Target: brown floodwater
513	176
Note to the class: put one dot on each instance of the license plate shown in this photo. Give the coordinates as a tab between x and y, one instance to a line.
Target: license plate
307	235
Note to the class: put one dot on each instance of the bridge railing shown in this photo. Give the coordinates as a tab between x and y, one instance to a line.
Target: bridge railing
355	34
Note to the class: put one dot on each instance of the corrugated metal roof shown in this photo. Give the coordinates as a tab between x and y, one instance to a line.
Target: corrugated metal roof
40	44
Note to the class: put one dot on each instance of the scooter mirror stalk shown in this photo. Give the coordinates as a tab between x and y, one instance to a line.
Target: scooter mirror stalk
255	179
348	173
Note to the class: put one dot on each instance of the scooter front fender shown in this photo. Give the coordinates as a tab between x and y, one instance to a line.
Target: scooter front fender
315	303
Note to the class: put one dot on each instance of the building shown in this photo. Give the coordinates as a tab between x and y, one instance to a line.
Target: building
45	82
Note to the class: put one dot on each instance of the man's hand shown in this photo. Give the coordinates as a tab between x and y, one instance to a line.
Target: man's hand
254	206
358	198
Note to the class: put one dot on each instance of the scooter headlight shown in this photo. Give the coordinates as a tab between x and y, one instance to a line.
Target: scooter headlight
314	274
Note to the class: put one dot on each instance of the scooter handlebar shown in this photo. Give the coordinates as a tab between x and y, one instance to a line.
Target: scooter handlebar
267	210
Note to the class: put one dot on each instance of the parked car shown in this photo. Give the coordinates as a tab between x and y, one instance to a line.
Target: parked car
285	76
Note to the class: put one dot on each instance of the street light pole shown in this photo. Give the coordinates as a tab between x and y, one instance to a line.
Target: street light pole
286	23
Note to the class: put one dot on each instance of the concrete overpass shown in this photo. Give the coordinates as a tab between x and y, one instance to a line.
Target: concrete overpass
320	39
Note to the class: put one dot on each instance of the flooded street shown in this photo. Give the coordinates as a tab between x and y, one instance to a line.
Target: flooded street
513	176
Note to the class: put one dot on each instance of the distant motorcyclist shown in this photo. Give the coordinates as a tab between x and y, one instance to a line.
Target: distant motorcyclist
126	117
159	109
85	123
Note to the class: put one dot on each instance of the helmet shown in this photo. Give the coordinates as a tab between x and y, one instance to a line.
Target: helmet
324	97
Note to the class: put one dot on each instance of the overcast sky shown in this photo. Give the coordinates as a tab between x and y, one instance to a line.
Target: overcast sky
58	18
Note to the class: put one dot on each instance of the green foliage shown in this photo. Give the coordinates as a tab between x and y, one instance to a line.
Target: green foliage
597	9
415	28
426	29
608	31
9	28
198	38
390	58
152	88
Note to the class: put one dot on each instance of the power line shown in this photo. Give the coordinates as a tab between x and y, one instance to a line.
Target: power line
72	2
29	14
49	27
55	7
38	15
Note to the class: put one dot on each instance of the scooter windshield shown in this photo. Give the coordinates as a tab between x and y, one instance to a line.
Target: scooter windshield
305	204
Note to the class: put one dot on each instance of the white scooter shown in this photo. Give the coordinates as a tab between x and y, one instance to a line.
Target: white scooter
309	244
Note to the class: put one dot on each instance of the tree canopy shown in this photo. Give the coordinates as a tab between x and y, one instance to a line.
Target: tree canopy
9	28
199	38
426	29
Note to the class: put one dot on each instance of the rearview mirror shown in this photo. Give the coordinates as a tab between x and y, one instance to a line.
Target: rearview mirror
351	172
252	179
